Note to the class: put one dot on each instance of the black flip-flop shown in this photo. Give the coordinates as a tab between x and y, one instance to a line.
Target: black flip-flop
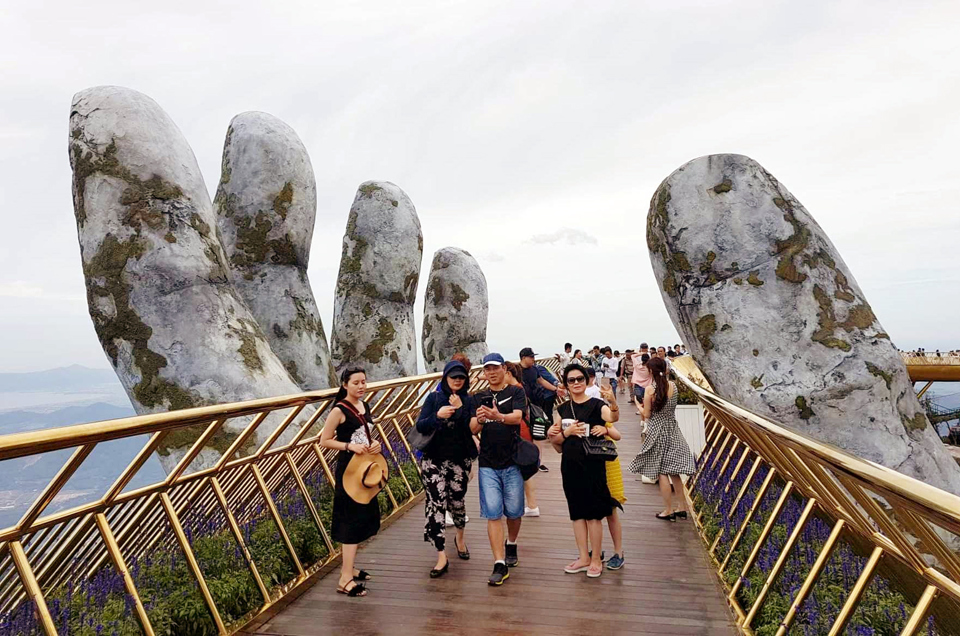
363	575
358	589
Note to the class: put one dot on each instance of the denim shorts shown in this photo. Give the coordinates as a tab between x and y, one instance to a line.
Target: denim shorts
501	493
638	391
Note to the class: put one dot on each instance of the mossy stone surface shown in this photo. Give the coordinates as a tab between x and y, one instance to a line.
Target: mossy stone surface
826	366
455	309
373	322
171	324
266	206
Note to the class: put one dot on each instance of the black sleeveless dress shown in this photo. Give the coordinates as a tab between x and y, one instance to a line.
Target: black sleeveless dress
584	480
352	522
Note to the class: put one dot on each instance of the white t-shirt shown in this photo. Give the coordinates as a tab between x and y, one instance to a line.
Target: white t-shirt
594	392
609	367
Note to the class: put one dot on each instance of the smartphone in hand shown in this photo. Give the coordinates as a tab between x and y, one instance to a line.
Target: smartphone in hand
605	383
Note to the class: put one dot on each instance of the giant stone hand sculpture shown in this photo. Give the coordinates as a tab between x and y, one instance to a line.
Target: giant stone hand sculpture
776	321
266	206
174	328
454	309
373	323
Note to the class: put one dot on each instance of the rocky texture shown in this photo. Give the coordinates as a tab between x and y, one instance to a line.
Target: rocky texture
174	329
266	206
373	322
454	309
776	320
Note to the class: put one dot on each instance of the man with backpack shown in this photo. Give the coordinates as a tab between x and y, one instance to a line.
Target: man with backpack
541	388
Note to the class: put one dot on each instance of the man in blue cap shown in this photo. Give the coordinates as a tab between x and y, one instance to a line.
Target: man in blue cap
499	412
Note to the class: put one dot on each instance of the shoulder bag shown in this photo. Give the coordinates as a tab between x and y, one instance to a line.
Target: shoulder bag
598	448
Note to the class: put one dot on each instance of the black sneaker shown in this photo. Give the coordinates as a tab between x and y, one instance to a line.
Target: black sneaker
500	574
544	469
511	551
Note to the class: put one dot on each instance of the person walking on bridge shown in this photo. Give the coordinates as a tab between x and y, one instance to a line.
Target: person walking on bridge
584	479
356	511
446	460
664	454
499	413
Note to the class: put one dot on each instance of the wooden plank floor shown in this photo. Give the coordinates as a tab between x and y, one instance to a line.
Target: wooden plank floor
666	587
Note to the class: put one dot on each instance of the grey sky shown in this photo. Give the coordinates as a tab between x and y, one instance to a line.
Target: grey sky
520	130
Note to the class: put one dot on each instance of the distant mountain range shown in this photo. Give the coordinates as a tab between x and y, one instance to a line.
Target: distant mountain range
61	380
26	420
63	397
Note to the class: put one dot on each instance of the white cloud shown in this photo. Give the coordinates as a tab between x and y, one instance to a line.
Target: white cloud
565	235
20	289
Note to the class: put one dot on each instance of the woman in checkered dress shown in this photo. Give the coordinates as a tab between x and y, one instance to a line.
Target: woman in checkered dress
664	455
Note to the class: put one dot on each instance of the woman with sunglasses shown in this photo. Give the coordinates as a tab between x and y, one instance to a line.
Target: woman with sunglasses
584	479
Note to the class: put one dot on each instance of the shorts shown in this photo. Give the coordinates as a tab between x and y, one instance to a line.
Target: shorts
501	493
638	391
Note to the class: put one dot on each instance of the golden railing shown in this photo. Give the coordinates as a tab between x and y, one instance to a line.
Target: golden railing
44	554
905	528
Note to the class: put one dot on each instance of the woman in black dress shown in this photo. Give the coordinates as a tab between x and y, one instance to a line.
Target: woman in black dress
344	431
584	479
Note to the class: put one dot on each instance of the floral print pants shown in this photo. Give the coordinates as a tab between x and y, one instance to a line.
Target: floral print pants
446	485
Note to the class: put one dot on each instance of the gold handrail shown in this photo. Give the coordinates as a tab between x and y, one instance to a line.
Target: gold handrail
900	517
46	552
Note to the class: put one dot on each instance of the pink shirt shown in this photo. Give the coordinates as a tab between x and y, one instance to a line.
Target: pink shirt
641	374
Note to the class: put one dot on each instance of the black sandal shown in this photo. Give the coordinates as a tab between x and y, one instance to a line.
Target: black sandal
358	589
465	554
669	517
436	574
363	575
680	514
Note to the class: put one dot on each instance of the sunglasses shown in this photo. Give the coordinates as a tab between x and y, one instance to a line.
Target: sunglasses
576	379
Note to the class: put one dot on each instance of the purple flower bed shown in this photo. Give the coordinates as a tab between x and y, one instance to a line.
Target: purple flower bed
882	611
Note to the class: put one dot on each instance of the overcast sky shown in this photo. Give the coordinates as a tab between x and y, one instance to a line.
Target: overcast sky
530	133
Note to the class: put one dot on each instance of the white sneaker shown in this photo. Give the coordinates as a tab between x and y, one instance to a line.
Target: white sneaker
531	512
449	520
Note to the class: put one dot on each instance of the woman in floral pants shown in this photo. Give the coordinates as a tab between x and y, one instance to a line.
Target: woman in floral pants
446	460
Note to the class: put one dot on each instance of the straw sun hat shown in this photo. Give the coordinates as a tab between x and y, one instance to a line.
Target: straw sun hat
364	477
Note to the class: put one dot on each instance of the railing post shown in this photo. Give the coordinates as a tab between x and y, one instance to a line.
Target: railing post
850	606
111	544
238	535
192	561
811	579
34	593
276	517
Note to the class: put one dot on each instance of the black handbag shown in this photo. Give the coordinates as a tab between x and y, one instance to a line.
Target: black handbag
599	448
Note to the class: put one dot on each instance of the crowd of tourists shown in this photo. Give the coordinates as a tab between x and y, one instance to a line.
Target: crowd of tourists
500	434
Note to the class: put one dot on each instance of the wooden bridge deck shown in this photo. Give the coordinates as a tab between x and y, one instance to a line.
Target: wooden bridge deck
666	587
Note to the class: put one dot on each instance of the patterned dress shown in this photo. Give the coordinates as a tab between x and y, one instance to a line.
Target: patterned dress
664	450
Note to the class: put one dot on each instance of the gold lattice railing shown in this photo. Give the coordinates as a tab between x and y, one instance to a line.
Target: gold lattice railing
47	560
898	526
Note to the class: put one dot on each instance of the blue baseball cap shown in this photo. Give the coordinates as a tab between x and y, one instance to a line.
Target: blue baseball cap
493	359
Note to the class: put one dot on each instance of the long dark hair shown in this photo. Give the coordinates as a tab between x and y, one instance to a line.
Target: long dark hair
345	376
514	369
658	369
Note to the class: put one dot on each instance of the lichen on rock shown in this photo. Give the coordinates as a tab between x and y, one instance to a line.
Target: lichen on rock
266	207
373	323
826	367
455	309
174	329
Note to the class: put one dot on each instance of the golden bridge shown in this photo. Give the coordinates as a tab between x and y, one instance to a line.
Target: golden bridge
788	536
